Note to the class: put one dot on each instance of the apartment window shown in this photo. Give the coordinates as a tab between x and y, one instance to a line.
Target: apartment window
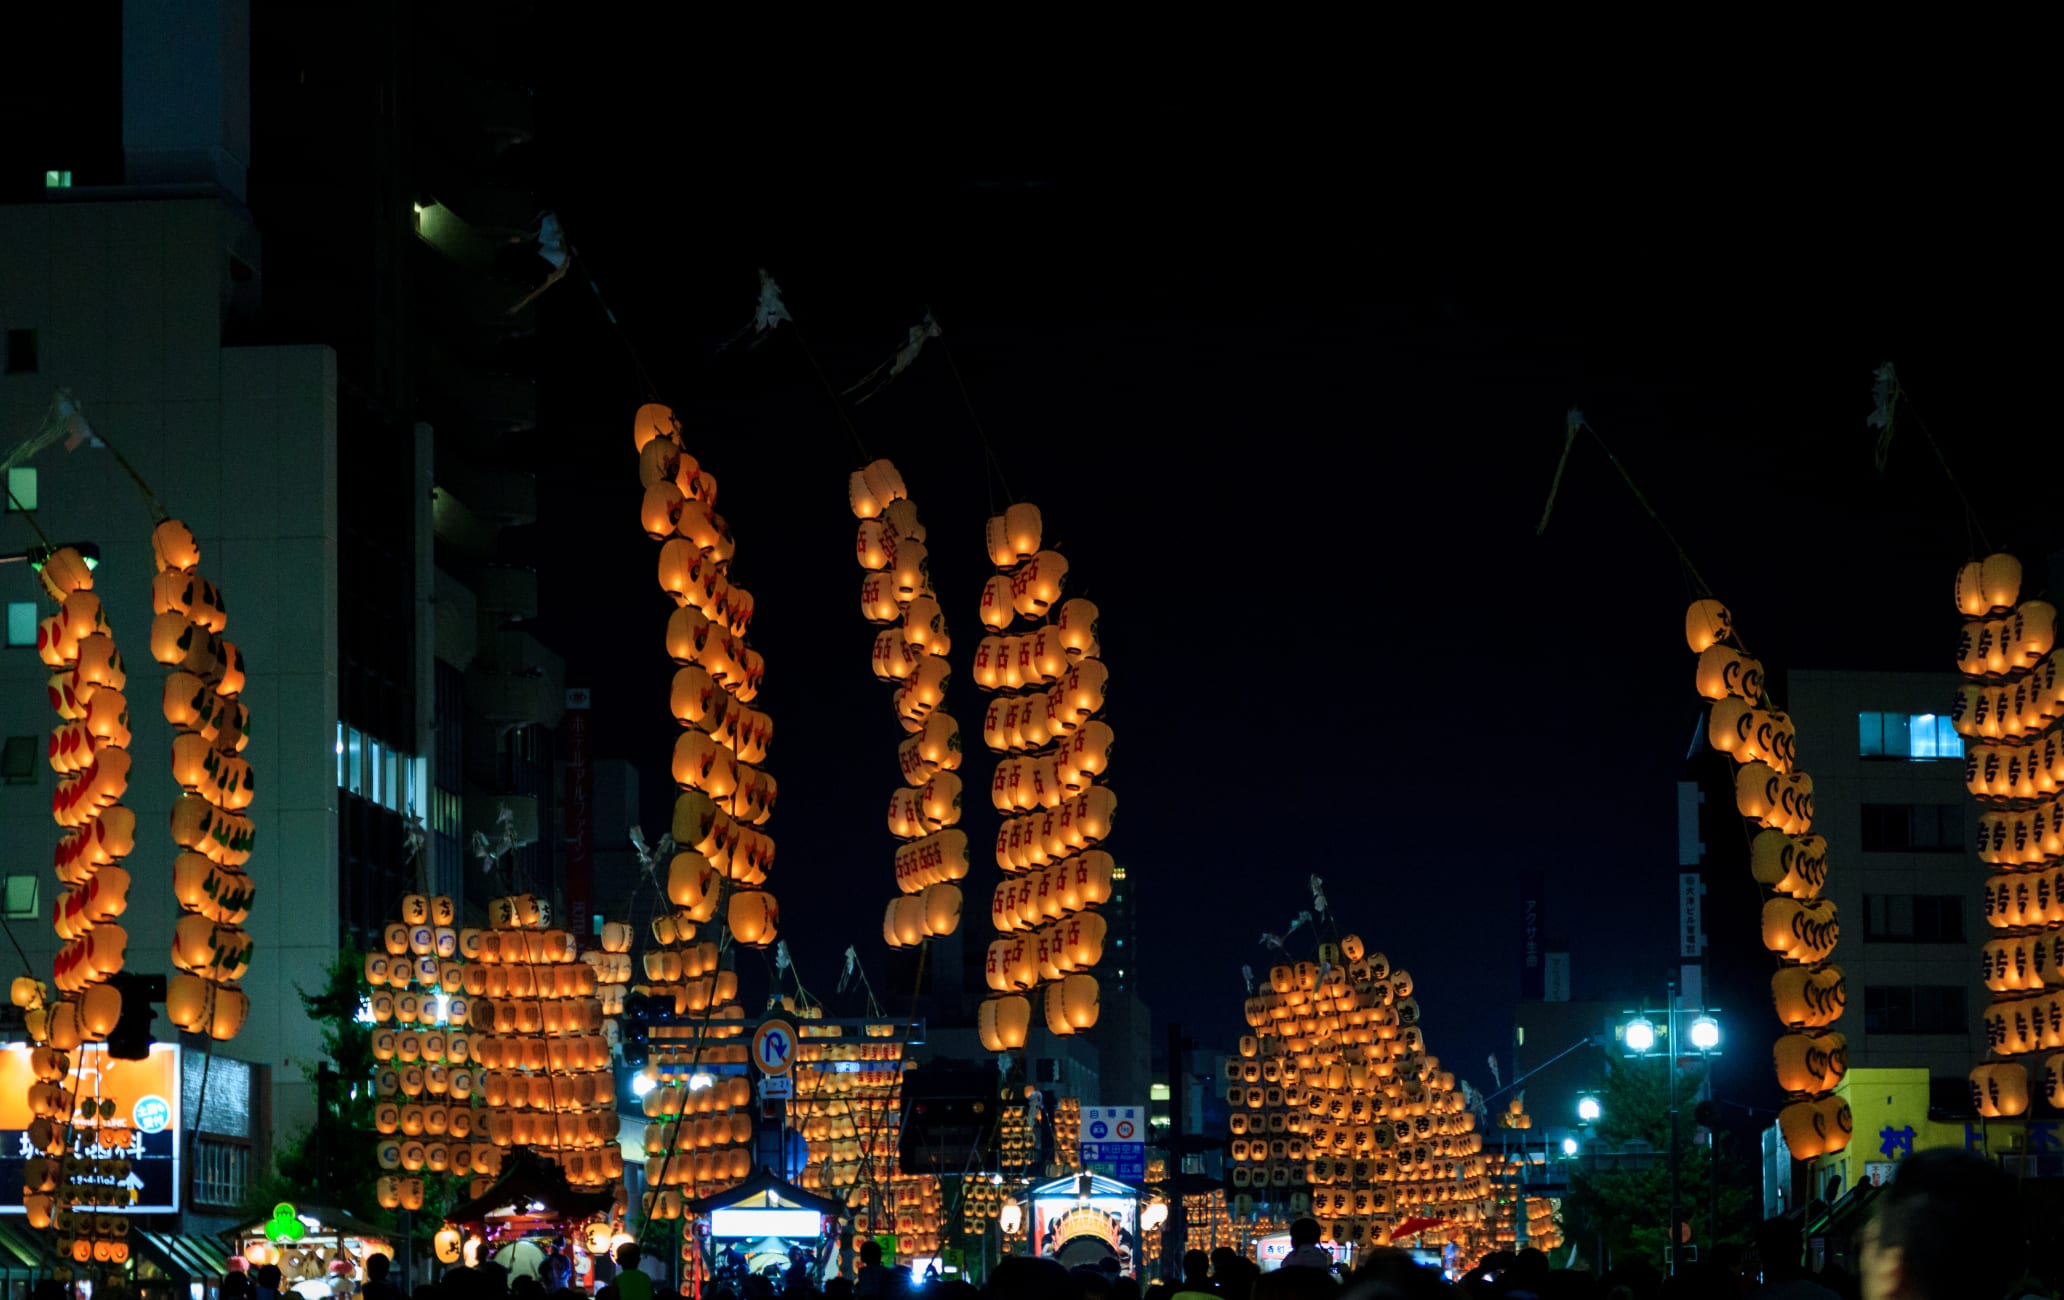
1913	828
21	487
1913	918
1914	1009
57	180
21	352
1907	736
18	759
395	781
21	623
221	1171
23	897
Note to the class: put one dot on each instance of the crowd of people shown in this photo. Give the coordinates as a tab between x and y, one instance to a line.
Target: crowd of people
1950	1226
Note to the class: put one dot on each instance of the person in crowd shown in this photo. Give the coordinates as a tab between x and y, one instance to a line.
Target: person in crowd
268	1280
236	1285
873	1279
1784	1277
1196	1272
1948	1228
377	1286
526	1287
1525	1278
555	1273
1022	1277
1305	1250
631	1282
1387	1273
1232	1276
839	1288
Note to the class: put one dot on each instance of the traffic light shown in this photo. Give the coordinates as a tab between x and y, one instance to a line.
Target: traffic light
130	1039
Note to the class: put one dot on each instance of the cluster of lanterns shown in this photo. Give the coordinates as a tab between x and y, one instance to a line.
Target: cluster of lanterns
75	1183
699	1139
910	655
725	795
1799	924
1050	683
1017	1134
848	1104
2009	714
210	725
1334	1093
487	1039
914	1208
89	750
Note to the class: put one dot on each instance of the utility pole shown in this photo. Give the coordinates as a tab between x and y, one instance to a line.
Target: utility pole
1175	1233
1670	1038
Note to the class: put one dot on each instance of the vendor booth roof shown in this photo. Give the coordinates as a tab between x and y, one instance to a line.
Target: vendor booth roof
333	1221
195	1259
530	1179
764	1190
1098	1186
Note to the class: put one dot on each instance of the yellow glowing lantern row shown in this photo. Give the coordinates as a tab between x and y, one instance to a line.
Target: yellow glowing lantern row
1339	1111
211	726
848	1104
910	655
722	861
486	1039
1799	925
2011	715
1051	684
89	751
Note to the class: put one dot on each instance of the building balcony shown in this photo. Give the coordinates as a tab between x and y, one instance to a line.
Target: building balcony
508	592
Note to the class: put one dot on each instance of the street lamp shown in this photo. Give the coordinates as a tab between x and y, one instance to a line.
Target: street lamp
1705	1033
1588	1109
1569	1146
1640	1035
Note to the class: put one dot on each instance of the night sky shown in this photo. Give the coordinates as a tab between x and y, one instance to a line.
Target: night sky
1292	414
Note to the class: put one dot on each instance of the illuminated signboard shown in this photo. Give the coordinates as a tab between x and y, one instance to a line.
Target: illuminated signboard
794	1224
146	1096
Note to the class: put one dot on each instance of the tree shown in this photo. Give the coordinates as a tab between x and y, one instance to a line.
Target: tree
1620	1201
333	1161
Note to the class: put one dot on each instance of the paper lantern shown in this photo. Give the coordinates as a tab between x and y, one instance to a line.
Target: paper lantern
1723	672
1707	623
942	903
1072	1005
99	1007
754	917
903	925
2000	1089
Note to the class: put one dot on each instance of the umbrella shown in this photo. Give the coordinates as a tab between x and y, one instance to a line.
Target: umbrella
521	1258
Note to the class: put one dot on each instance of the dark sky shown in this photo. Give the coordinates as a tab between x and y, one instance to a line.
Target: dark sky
1292	411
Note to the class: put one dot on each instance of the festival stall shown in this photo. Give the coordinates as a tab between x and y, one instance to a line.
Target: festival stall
532	1208
1086	1219
311	1245
766	1223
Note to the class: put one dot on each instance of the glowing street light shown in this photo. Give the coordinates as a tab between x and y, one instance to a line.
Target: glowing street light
1569	1146
1640	1035
1588	1109
1705	1033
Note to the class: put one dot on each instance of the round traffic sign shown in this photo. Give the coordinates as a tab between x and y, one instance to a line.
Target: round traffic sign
1125	1130
773	1047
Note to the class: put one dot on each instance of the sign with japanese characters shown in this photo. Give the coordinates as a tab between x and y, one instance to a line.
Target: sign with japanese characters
146	1097
1114	1141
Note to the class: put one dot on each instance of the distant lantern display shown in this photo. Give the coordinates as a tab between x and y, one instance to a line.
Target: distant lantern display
1799	926
2008	712
210	818
1339	1111
721	859
1043	662
89	751
909	656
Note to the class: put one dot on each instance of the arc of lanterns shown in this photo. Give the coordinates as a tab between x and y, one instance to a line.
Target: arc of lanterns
1050	684
2011	714
911	655
1338	1108
211	726
1799	925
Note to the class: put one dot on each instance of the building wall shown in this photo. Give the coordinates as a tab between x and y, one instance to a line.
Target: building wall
129	302
1826	706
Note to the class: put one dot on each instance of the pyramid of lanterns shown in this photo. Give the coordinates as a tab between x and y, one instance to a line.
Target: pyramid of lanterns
486	1040
1335	1092
2008	713
89	751
1799	925
211	725
80	1191
1049	683
910	654
848	1106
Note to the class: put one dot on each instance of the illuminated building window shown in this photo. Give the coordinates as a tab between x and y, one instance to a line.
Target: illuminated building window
21	488
21	623
1907	736
23	896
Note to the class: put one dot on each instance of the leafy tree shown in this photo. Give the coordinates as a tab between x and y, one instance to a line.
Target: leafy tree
333	1162
1621	1199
